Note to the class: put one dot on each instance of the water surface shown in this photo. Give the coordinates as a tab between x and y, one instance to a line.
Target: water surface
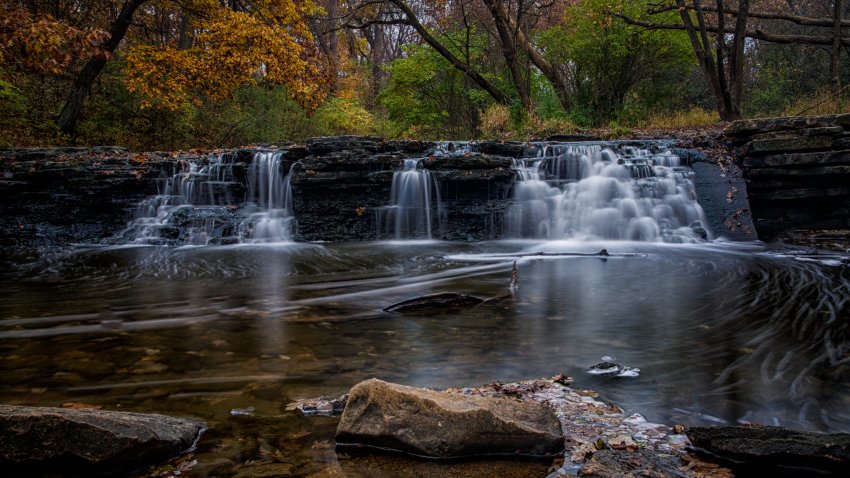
721	333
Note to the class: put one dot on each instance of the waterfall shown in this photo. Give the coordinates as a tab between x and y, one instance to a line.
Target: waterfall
413	197
198	205
271	220
572	191
189	204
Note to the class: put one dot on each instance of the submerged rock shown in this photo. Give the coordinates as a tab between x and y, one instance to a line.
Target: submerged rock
775	451
446	425
58	441
442	302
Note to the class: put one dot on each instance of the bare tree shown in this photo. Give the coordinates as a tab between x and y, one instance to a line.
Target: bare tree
725	75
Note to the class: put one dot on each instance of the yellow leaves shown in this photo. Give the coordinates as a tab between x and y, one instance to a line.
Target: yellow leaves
270	43
162	77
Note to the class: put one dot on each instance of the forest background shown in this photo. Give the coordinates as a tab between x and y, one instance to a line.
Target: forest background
176	74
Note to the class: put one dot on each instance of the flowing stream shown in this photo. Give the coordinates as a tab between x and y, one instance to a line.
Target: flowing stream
721	333
233	331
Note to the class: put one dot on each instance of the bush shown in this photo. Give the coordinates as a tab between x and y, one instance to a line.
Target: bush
496	122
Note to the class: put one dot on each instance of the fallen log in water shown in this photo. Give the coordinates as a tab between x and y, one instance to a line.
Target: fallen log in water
442	302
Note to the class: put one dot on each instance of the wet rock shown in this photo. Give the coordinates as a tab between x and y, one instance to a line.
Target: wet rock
618	464
742	130
613	369
324	145
781	145
468	162
646	463
511	149
774	450
320	406
52	197
444	425
444	302
38	441
722	194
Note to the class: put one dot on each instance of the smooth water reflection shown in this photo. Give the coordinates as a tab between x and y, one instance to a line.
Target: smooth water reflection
721	333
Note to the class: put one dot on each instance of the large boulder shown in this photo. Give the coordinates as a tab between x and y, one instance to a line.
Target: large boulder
57	441
446	425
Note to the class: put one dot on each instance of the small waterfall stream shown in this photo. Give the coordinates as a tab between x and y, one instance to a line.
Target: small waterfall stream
272	219
571	191
206	202
583	191
414	196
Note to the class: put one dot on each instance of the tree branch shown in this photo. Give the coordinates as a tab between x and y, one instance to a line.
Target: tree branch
755	34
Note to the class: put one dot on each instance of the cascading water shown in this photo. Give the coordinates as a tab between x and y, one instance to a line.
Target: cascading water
272	219
189	206
413	198
572	191
198	204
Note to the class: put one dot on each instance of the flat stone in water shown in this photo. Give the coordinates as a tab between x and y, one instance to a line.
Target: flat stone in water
45	441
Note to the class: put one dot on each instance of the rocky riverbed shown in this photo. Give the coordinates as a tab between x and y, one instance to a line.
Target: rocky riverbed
598	439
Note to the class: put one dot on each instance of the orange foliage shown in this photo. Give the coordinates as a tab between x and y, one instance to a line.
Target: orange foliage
42	44
272	43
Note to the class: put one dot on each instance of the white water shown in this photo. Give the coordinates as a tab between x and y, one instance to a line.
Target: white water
413	198
197	205
272	219
588	192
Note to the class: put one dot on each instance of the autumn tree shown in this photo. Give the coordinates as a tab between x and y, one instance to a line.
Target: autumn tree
40	43
211	48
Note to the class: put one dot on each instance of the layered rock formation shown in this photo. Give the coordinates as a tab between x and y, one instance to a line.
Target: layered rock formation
342	187
797	171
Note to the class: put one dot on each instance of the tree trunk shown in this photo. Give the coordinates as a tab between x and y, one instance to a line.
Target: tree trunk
835	55
721	62
376	38
184	41
70	114
539	61
333	43
506	42
700	46
736	61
